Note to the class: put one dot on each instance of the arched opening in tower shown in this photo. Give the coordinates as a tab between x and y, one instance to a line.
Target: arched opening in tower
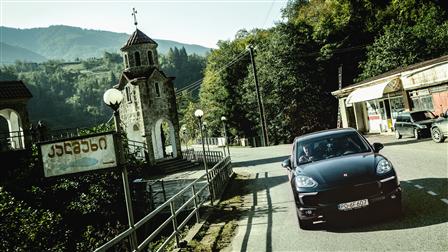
165	142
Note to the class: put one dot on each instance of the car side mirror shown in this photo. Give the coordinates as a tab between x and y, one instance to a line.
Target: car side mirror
286	163
377	147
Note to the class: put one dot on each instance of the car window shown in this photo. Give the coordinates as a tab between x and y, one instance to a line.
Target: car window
326	147
406	118
422	115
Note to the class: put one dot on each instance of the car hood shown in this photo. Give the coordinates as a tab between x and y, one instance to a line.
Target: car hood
355	168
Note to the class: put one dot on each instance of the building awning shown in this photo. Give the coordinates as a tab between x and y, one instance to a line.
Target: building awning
373	92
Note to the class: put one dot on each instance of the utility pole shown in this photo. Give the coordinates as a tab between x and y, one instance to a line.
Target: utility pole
265	139
340	87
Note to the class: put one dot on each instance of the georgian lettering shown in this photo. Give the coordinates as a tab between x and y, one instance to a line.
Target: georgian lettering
93	146
77	147
86	149
66	146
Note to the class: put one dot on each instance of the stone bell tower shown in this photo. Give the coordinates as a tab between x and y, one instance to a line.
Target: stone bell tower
149	98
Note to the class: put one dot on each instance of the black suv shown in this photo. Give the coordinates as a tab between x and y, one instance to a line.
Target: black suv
415	124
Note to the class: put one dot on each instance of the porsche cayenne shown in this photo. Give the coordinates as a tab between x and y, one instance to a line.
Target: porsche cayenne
337	173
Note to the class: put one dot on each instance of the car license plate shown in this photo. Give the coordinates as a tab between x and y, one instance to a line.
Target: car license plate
353	205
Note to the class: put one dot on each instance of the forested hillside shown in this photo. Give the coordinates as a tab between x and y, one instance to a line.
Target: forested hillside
12	53
60	42
69	94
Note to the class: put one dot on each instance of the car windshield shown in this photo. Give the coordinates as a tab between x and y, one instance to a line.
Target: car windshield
422	115
330	146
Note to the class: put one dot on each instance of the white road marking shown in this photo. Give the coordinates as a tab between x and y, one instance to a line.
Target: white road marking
419	186
444	200
432	193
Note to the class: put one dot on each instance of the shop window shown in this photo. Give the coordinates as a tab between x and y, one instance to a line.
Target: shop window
137	59
422	103
396	105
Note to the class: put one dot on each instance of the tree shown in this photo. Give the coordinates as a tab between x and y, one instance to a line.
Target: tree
418	33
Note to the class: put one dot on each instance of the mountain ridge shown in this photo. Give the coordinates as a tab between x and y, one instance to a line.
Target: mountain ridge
70	42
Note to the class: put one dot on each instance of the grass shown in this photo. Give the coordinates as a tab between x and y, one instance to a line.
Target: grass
219	228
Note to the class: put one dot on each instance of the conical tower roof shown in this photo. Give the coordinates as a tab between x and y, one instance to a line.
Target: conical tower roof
138	37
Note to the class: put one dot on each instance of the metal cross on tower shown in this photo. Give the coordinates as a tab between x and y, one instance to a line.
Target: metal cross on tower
134	13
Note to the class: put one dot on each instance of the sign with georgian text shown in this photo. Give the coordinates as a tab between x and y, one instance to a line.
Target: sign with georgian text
78	155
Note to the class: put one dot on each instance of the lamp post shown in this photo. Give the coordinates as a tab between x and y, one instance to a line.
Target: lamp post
183	130
204	124
199	113
224	119
113	98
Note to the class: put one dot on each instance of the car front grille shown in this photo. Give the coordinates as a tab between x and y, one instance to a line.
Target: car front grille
344	194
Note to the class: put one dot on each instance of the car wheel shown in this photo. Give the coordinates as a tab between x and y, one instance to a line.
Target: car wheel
416	136
397	134
437	135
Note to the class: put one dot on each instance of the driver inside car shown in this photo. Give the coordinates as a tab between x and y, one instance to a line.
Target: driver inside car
306	154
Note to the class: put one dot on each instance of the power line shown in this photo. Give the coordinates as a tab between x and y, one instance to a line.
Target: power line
269	12
198	83
195	85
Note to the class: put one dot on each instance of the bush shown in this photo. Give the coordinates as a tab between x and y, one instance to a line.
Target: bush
28	229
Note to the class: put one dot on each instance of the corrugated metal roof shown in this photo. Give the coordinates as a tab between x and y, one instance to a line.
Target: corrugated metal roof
138	37
14	90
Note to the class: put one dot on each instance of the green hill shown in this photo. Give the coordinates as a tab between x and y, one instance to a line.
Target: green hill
69	43
9	54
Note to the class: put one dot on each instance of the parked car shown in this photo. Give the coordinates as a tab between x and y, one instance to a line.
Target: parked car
415	124
439	129
337	173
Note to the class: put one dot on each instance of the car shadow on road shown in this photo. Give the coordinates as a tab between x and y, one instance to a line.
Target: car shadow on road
420	208
260	161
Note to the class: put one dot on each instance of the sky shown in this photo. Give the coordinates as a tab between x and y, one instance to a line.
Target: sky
188	21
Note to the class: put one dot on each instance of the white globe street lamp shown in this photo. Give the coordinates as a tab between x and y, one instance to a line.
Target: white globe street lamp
199	114
204	124
113	98
224	119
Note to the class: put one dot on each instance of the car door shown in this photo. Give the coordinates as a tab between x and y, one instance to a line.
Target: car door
408	125
399	123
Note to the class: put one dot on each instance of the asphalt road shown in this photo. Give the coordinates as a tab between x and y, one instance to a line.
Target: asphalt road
270	222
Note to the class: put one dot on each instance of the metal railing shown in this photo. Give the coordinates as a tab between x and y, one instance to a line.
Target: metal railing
212	157
219	176
12	140
138	149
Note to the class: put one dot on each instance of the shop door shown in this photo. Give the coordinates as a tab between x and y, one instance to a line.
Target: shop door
386	117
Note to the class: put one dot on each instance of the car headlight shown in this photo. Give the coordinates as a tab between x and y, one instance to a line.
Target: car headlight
304	181
423	126
383	166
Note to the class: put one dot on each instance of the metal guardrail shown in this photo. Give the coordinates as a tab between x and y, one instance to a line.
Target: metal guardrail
219	176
